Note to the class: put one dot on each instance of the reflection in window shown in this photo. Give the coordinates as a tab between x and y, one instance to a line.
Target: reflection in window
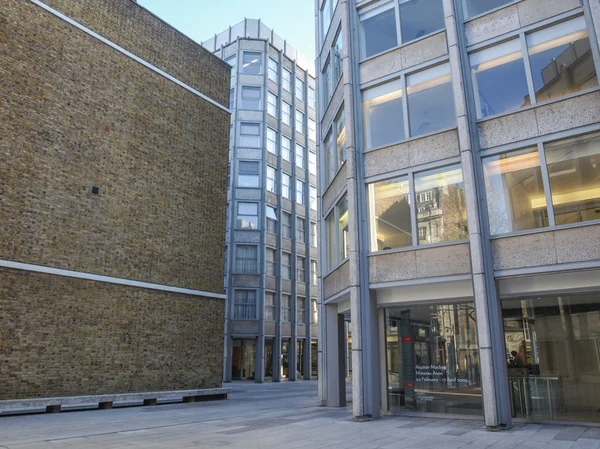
248	174
252	63
389	204
441	208
271	220
343	242
378	30
430	100
553	356
330	229
251	98
574	171
383	114
420	17
247	216
340	132
475	7
561	60
499	79
433	359
250	135
337	58
515	191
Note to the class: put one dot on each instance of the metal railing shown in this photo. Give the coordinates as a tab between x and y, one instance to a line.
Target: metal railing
536	397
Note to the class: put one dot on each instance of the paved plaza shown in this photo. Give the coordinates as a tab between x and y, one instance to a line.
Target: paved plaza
285	415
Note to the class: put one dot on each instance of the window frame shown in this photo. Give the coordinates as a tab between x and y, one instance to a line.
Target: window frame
271	180
261	68
300	119
314	274
300	156
286	229
274	142
312	199
241	134
301	230
270	305
238	215
271	70
300	268
300	311
286	150
286	81
246	89
300	88
333	135
286	270
286	305
272	108
270	265
249	302
333	211
238	259
286	113
271	221
286	189
300	192
247	173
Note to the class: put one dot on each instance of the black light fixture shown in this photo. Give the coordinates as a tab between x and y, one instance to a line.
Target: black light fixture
95	190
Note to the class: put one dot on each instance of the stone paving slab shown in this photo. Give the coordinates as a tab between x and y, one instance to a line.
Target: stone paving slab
283	416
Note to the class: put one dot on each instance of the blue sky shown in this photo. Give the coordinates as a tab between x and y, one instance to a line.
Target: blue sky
293	20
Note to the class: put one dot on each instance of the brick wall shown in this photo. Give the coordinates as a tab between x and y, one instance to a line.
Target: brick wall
75	113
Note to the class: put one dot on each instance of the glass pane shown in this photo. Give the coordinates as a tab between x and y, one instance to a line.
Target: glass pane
430	100
342	210
499	79
441	208
433	359
248	181
378	30
476	7
561	60
574	170
383	115
331	245
515	192
252	63
389	214
340	131
420	17
553	356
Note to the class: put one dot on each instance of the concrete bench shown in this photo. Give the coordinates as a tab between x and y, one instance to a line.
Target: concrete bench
106	401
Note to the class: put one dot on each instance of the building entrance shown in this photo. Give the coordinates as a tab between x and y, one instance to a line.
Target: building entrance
243	357
433	360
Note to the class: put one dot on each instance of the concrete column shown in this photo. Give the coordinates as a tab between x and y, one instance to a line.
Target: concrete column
496	401
335	394
259	369
292	357
277	357
307	353
227	361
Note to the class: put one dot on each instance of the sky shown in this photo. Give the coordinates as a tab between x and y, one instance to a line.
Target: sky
293	20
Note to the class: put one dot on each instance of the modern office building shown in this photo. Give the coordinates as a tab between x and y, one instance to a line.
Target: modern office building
113	171
460	207
271	255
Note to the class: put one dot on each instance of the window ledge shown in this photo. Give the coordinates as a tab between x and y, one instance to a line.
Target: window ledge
418	247
543	103
411	139
335	267
405	44
546	229
492	11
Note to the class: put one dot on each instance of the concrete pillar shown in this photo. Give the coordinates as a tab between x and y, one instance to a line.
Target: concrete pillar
259	369
334	357
277	355
494	376
307	352
292	356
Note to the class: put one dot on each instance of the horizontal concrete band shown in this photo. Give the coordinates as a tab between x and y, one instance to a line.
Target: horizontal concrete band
36	403
130	55
107	279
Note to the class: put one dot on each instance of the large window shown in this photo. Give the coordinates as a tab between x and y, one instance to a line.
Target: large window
245	305
273	70
232	61
383	27
300	310
246	259
286	79
271	179
383	114
561	63
286	113
440	210
232	98
299	191
300	156
252	63
271	214
430	107
286	225
326	13
272	104
301	230
337	49
300	269
247	216
272	141
285	308
433	359
286	182
299	89
336	224
270	261
313	197
248	174
475	7
270	306
335	146
312	163
314	311
286	149
312	98
553	356
430	100
327	84
314	274
299	121
340	134
312	130
251	98
518	198
313	235
286	266
250	135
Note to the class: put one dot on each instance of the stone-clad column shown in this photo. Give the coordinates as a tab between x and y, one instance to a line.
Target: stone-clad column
493	373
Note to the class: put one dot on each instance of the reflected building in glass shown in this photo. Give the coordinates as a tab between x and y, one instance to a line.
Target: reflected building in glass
271	258
460	226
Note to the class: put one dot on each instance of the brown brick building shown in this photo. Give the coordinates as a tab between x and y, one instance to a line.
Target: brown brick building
113	181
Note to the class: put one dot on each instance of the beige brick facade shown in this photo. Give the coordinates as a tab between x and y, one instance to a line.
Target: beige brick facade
77	114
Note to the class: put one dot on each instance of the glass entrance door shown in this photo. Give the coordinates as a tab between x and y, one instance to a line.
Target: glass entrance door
243	358
433	360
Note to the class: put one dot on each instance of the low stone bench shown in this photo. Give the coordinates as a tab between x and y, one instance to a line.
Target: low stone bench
106	401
